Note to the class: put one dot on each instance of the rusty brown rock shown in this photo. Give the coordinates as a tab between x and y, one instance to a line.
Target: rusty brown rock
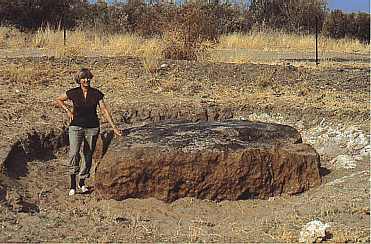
99	148
209	160
104	139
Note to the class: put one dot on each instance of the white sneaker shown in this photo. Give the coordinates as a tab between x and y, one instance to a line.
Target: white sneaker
83	189
72	192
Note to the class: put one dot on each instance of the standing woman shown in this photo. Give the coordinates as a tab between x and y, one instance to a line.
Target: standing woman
84	126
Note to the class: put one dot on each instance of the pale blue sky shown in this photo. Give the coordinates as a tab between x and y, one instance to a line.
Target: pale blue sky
350	5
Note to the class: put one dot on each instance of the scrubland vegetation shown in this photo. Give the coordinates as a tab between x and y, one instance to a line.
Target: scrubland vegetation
188	31
171	45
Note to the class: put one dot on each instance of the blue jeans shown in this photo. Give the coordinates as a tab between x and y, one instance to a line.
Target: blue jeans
77	135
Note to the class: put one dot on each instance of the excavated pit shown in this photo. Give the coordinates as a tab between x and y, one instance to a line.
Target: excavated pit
42	144
247	152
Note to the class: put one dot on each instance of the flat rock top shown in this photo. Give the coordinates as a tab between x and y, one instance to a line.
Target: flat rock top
231	134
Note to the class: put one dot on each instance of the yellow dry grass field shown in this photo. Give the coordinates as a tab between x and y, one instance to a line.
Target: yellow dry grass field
80	43
273	41
326	103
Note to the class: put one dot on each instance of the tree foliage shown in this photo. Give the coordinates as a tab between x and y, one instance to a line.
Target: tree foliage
289	15
339	25
199	18
30	14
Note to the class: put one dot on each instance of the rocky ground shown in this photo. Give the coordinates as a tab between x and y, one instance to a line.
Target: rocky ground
329	106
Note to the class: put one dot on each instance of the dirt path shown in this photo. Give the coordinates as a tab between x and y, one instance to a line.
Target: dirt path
256	55
288	55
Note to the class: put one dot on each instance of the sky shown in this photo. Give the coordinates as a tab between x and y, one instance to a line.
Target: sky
350	5
345	5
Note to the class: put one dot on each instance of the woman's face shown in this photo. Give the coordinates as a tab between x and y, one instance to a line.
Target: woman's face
85	82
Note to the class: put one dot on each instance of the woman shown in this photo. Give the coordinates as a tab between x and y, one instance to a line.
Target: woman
84	126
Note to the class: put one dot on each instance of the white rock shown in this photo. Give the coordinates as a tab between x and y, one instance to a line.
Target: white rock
344	162
268	118
313	231
163	66
322	123
299	125
341	140
330	148
357	142
364	153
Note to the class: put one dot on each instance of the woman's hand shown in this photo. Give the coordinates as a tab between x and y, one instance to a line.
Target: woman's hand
70	115
107	115
60	101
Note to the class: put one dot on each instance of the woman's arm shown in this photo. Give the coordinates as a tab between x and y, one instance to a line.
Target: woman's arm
107	115
60	101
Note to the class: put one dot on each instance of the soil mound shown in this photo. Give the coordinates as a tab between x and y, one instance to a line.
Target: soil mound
227	160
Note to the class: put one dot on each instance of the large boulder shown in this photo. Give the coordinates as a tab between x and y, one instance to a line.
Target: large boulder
209	160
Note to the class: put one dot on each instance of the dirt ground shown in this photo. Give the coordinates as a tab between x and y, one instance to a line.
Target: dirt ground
329	105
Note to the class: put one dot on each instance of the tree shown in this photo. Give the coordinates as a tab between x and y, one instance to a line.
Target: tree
290	15
362	25
31	14
339	25
336	24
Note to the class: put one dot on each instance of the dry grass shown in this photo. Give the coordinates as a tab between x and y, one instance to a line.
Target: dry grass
80	43
12	38
46	37
152	54
77	42
21	73
234	48
272	41
121	45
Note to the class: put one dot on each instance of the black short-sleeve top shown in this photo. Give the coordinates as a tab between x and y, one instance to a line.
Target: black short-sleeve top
85	109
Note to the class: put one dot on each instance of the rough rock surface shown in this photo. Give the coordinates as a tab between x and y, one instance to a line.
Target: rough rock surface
209	160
